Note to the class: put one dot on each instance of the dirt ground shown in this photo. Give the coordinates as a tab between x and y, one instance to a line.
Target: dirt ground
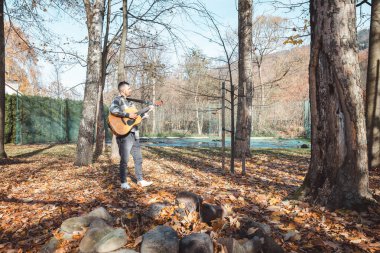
40	187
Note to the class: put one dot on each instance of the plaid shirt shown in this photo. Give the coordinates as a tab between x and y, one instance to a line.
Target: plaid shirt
118	106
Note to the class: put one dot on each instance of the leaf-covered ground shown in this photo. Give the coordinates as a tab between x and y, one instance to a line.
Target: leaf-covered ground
40	187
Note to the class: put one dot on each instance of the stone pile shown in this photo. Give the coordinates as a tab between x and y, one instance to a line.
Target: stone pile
101	237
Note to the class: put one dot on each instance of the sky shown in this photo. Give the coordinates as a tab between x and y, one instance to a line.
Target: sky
70	28
225	11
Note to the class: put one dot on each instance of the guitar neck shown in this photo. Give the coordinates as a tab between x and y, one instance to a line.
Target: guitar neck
140	101
142	111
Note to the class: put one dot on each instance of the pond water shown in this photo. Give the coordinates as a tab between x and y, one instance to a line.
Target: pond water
256	142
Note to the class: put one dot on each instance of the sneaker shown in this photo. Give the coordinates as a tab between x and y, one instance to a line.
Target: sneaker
125	186
144	183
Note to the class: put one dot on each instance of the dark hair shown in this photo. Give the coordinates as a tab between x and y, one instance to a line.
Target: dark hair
122	83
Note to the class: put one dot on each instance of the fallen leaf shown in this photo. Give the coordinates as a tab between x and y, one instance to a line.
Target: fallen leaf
138	241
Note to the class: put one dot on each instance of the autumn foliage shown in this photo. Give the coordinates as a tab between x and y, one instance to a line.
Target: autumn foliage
20	60
40	188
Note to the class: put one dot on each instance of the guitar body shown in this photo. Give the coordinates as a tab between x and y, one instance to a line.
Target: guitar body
121	126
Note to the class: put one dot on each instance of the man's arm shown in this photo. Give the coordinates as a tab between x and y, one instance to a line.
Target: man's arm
116	108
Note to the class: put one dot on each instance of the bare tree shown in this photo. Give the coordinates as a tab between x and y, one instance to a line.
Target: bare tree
195	69
95	15
373	90
267	34
56	88
121	71
2	82
338	172
100	130
245	90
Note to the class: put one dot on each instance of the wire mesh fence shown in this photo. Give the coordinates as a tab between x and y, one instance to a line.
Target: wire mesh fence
35	119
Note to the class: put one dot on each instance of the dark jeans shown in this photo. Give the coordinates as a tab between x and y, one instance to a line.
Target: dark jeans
129	145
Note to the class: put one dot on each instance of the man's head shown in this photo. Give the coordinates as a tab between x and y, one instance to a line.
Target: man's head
124	88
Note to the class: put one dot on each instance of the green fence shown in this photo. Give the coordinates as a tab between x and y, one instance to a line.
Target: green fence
34	119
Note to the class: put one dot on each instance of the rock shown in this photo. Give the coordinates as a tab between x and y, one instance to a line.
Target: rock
233	246
211	212
161	239
90	239
155	210
196	243
124	251
75	224
292	235
304	146
249	228
253	246
271	246
101	213
191	200
99	223
103	239
51	246
112	241
262	231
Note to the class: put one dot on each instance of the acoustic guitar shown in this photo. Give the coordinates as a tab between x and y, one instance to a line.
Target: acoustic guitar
121	125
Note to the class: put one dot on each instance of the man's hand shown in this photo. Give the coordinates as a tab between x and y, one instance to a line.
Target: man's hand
132	115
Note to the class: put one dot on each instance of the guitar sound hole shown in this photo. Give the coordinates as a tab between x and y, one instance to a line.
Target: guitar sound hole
130	122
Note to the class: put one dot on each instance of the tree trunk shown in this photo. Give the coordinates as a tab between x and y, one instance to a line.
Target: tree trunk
260	108
2	82
223	124
373	96
100	130
85	143
243	126
121	71
338	172
199	125
121	65
154	111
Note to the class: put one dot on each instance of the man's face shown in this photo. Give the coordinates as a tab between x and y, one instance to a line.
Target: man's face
126	91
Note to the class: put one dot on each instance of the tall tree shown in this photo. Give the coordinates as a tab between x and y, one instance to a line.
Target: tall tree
85	145
196	67
373	90
2	81
338	172
267	37
121	70
244	125
100	130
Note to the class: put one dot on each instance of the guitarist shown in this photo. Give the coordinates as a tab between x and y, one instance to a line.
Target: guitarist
130	143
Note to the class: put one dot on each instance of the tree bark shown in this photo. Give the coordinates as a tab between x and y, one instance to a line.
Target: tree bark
2	82
121	71
373	96
260	108
121	65
199	124
100	130
85	143
338	172
244	125
154	127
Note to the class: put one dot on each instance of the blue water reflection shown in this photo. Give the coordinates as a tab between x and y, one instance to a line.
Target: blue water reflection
256	142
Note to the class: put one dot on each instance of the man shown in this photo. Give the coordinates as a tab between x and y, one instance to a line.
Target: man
130	143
